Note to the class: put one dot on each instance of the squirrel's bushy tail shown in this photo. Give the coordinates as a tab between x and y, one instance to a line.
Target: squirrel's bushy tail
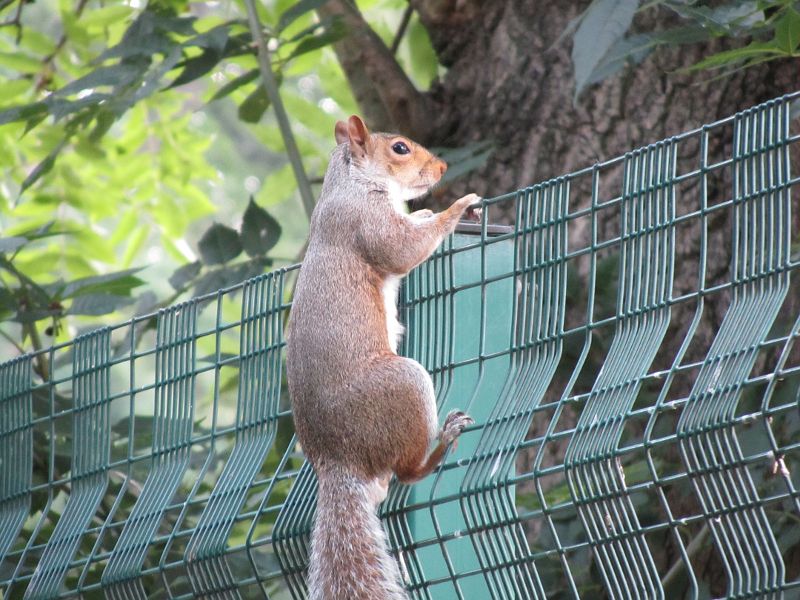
349	559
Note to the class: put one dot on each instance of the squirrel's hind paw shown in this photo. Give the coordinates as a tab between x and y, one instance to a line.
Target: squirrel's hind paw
455	422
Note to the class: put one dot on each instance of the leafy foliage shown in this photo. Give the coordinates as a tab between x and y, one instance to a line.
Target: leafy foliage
124	127
601	47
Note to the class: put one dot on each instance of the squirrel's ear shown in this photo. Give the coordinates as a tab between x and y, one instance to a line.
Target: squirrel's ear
358	135
340	132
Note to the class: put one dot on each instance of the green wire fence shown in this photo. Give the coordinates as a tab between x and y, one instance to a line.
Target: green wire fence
628	349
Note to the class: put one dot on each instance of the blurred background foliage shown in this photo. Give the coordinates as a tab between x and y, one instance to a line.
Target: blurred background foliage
132	173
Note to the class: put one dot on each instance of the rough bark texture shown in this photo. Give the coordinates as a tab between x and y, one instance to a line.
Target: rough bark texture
508	81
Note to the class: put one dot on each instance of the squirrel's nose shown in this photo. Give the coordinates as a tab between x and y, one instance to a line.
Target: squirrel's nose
441	166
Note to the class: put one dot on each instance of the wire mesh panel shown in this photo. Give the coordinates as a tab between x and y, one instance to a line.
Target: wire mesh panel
172	430
256	426
91	435
16	448
627	347
487	497
595	474
710	448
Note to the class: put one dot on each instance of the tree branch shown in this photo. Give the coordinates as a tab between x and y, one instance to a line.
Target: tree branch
383	90
271	87
401	30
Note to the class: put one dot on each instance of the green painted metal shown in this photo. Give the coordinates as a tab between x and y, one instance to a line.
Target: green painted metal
172	430
91	438
636	406
16	448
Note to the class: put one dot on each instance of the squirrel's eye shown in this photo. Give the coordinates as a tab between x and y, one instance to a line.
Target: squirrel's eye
400	148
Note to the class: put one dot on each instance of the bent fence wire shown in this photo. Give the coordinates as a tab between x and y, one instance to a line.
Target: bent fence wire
628	349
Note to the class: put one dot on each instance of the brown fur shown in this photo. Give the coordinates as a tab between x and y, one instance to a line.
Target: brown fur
358	407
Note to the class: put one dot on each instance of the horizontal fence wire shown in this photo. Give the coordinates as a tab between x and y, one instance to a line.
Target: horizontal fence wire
628	347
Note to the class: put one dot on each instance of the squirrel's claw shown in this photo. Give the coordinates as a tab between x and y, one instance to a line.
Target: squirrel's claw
454	424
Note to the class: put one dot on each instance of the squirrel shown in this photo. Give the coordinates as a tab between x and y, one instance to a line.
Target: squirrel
362	412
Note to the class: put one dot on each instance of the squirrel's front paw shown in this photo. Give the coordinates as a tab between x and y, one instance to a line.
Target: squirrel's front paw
455	422
470	206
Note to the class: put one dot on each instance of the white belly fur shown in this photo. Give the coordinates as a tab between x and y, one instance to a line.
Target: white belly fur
394	330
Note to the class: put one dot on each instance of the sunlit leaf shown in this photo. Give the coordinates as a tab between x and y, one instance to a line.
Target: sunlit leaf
296	11
105	16
254	106
235	84
329	35
213	43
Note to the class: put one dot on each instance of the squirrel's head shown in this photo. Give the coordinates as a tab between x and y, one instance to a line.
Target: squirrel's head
394	163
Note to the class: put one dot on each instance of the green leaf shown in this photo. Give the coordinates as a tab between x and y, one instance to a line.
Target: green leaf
196	67
35	314
603	24
7	301
9	244
184	275
113	75
787	31
336	31
213	43
235	84
150	84
726	19
754	50
219	244
210	282
60	108
98	304
297	11
633	49
260	231
149	34
215	38
42	168
108	15
20	62
254	106
120	283
224	277
42	231
23	112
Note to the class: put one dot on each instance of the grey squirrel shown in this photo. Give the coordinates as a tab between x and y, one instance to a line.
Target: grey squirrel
362	412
